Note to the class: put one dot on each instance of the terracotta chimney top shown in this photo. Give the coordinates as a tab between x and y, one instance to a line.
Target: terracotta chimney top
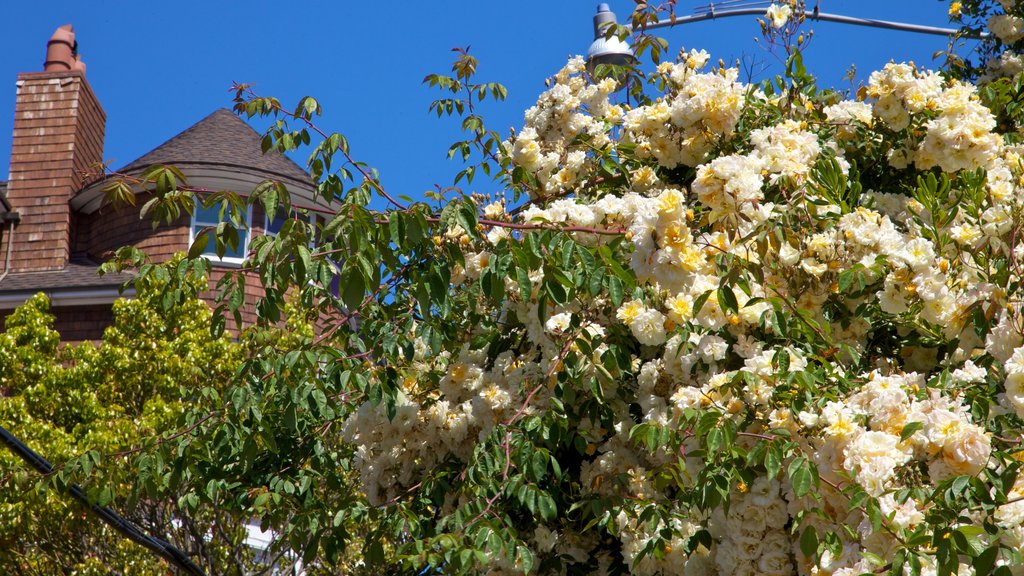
62	51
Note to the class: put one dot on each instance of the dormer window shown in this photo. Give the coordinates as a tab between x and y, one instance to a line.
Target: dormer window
209	218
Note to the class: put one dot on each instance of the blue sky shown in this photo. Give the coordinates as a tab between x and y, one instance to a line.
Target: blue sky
159	67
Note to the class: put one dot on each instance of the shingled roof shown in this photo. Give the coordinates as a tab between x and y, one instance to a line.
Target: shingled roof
77	274
220	139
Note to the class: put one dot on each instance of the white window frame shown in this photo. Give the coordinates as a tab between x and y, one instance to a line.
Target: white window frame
232	261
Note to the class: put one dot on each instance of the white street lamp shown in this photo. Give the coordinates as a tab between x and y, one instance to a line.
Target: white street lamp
605	50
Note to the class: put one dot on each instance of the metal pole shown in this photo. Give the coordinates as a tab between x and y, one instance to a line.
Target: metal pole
161	548
814	15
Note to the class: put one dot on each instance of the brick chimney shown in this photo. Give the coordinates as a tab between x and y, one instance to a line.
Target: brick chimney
58	138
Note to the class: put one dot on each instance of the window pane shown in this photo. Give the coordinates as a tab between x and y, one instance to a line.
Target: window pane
211	243
240	252
273	228
204	218
209	215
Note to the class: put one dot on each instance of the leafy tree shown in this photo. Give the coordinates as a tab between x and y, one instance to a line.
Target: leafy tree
92	405
695	326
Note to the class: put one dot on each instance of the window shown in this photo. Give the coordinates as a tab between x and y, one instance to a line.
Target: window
210	217
273	227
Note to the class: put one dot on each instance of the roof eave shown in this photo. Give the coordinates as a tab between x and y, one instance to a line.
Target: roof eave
61	297
91	198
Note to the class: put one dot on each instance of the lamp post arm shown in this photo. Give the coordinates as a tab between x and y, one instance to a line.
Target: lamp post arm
814	15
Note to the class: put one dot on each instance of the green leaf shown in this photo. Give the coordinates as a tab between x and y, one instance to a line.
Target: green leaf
616	290
773	460
539	465
782	358
353	290
199	244
466	217
908	430
714	439
986	561
546	506
525	287
800	475
809	542
874	514
305	259
846	280
375	553
397	229
969	541
727	300
320	399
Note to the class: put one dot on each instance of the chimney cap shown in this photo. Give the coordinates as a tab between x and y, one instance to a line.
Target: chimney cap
62	51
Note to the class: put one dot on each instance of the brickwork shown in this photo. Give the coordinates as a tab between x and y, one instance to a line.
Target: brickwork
253	290
58	137
82	323
77	324
101	233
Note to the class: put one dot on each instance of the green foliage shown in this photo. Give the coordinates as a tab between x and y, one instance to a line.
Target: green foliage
88	408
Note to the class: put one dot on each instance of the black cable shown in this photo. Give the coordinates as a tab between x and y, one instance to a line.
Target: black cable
161	548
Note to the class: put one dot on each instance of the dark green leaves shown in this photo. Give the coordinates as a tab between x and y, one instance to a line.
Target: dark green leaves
727	300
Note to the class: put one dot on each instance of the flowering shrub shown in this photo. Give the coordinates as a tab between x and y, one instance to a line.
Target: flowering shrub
713	328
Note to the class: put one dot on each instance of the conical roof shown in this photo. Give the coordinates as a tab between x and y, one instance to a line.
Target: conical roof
220	139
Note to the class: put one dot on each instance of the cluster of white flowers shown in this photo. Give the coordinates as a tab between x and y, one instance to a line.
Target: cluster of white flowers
470	401
722	263
786	149
570	108
1015	380
751	538
1009	63
960	137
847	115
729	183
699	110
866	435
647	324
675	562
899	90
861	434
1010	518
1009	29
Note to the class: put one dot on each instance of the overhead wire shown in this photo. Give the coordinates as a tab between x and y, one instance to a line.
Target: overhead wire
122	525
711	7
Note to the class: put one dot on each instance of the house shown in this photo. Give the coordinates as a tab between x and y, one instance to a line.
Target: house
56	229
